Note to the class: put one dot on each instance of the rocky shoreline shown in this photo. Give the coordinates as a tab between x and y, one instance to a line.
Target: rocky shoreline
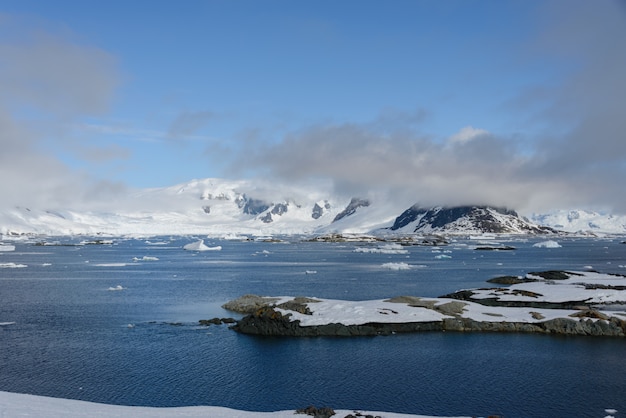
511	309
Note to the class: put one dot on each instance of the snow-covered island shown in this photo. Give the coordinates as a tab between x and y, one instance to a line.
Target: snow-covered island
554	302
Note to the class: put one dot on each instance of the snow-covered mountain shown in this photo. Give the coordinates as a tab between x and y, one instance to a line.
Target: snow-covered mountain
214	207
582	221
218	207
465	219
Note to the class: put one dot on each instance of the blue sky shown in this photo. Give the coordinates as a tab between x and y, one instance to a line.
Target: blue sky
503	102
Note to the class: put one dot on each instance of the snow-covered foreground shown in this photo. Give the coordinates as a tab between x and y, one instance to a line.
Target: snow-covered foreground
19	405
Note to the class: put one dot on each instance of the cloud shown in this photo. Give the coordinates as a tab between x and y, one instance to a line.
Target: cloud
467	134
47	82
576	156
188	123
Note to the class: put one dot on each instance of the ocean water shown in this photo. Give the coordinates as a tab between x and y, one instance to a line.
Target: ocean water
74	338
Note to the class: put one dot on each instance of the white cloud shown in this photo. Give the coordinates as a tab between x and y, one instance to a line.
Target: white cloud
467	134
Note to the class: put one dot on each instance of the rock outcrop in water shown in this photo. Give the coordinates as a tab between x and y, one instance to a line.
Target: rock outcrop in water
510	310
269	322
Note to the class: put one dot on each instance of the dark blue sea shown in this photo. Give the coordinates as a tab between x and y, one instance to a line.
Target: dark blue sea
74	338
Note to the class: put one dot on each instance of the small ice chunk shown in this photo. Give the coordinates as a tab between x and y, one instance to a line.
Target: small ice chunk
396	266
547	244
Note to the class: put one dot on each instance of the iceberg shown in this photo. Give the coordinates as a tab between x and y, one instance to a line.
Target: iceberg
200	246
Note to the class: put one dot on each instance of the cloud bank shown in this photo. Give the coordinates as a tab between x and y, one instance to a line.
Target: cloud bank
47	82
577	158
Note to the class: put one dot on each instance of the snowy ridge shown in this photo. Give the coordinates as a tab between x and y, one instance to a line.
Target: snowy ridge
218	207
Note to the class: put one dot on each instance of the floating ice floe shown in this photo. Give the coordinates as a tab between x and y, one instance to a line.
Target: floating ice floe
383	249
547	244
200	246
396	266
146	258
443	256
117	288
4	324
12	266
310	272
4	248
110	264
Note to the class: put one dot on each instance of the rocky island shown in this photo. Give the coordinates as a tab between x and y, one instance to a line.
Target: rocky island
553	302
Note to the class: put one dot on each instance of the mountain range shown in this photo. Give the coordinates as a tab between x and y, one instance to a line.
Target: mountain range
222	208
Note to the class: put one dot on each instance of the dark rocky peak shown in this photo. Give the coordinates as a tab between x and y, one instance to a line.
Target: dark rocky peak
459	219
254	206
354	204
280	208
479	218
410	215
319	209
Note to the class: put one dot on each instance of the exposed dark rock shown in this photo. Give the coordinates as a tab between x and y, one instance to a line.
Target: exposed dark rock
318	210
217	321
467	295
495	248
590	313
511	280
536	315
451	308
280	209
298	304
248	304
323	412
206	209
351	208
410	215
554	274
267	218
212	321
254	206
593	286
268	322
